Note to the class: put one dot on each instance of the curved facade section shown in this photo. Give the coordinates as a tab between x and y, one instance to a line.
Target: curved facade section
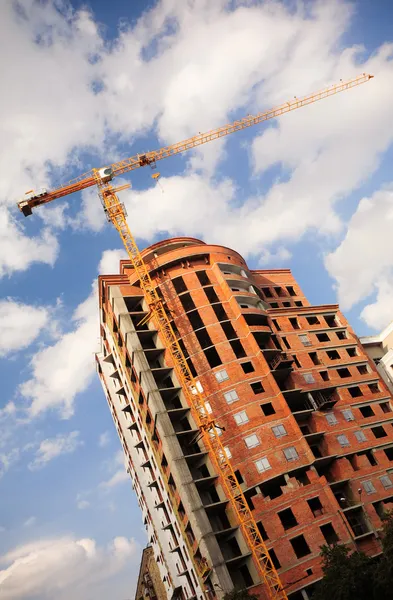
303	414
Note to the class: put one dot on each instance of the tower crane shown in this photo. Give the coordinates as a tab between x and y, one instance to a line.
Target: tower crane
115	213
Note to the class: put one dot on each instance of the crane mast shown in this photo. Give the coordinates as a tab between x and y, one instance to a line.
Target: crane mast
116	215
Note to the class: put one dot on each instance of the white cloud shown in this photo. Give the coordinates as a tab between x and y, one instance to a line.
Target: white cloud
118	475
82	504
117	478
51	448
363	262
57	569
104	439
20	324
7	459
30	522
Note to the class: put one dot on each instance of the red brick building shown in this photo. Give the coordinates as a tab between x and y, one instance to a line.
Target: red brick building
305	419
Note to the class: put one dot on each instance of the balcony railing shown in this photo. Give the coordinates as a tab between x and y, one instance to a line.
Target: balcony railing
279	359
322	400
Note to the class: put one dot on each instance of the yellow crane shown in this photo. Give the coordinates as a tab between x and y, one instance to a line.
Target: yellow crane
116	214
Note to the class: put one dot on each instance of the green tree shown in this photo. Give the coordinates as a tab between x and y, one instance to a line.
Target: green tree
383	576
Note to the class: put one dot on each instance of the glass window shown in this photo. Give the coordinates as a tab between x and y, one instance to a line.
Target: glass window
279	431
368	487
262	465
360	436
208	407
221	375
343	440
331	419
252	441
241	417
348	414
227	452
386	481
308	377
291	453
305	340
231	396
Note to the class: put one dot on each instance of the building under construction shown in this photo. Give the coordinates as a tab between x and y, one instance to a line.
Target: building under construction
300	409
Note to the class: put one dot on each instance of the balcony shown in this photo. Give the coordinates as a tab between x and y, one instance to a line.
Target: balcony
322	400
282	360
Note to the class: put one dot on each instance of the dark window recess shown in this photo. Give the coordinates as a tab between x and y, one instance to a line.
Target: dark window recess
374	388
179	285
290	290
274	559
351	352
344	372
267	291
183	348
324	375
314	358
212	357
229	331
204	338
220	312
300	546
294	322
355	391
257	387
287	518
309	571
362	369
279	291
385	407
329	533
298	303
341	335
203	278
262	531
331	320
286	343
333	354
211	295
312	320
273	304
191	367
187	302
296	361
238	349
315	506
276	325
268	409
366	411
195	320
239	476
245	573
379	431
250	503
389	453
247	367
286	304
323	337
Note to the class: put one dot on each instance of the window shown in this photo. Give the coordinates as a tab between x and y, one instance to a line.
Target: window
291	290
343	440
331	419
229	331
276	325
329	533
287	518
314	358
286	343
268	409
308	377
208	408
179	285
273	304
300	546
274	559
257	387
324	375
221	375
228	452
312	320
389	453
220	312
252	441
343	372
379	432
247	367
386	481
323	337
288	304
374	388
187	302
315	506
267	291
342	335
262	531
213	358
298	303
366	411
203	278
348	414
305	340
385	407
333	354
360	436
291	453
331	320
294	322
262	465
231	396
279	291
241	417
363	369
355	391
211	295
368	487
279	431
352	352
238	349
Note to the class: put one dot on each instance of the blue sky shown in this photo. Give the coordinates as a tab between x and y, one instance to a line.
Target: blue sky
86	84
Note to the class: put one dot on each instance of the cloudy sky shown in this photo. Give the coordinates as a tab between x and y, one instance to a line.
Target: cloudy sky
86	84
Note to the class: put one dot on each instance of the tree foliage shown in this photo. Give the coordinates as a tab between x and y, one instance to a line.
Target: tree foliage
240	594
